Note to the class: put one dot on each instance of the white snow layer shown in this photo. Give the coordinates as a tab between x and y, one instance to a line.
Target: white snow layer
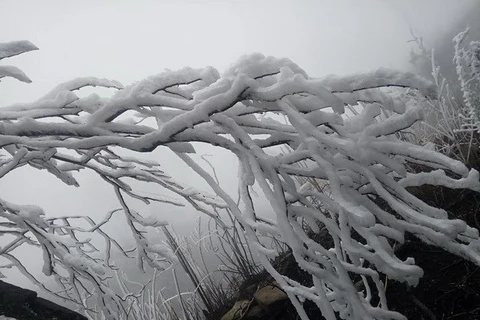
354	160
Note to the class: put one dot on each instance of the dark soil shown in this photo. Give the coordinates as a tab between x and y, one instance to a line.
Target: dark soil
450	288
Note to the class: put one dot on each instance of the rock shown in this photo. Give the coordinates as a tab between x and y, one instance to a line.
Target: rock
269	301
237	311
240	308
255	313
270	298
22	303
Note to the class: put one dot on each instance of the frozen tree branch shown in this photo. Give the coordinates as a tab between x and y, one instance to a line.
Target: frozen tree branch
360	158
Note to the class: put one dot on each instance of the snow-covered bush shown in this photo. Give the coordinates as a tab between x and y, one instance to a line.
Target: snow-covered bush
467	62
367	212
452	117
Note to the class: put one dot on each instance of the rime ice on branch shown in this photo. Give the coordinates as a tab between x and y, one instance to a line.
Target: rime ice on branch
361	158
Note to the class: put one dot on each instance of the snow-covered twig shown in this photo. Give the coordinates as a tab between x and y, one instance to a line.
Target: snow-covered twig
362	160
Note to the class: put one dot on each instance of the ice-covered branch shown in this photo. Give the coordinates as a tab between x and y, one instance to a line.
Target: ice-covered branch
367	211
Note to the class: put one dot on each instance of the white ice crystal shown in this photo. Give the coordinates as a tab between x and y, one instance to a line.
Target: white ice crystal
360	158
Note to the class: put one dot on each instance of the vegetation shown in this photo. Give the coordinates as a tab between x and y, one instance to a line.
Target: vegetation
352	190
448	127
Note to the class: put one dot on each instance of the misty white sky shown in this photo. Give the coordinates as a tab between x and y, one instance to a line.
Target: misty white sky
129	40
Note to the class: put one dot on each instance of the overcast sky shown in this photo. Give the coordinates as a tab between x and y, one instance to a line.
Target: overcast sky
129	40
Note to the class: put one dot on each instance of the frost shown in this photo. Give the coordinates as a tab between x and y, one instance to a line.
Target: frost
79	83
348	129
24	213
379	79
10	49
13	72
257	65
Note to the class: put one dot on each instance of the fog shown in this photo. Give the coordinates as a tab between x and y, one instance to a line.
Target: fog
129	40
